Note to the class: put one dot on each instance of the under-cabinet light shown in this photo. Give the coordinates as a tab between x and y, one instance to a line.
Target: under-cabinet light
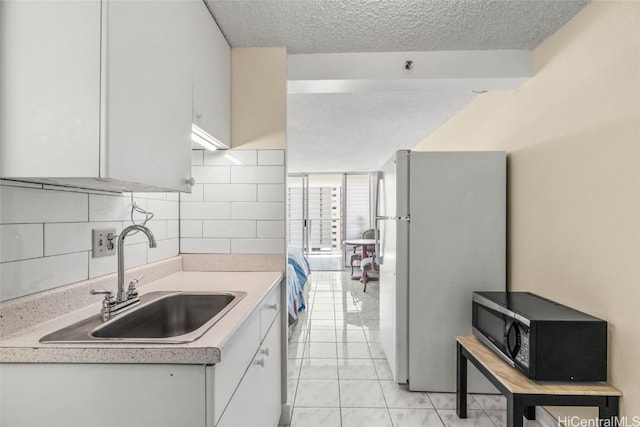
205	139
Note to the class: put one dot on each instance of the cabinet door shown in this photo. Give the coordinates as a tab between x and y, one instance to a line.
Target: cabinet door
101	395
236	355
256	401
212	76
49	88
147	137
271	376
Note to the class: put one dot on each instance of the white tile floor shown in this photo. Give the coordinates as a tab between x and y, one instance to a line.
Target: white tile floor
339	377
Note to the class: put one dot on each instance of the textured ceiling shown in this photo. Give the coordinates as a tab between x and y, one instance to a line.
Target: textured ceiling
343	132
358	132
325	26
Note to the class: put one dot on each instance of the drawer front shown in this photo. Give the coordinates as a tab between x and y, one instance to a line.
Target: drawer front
270	307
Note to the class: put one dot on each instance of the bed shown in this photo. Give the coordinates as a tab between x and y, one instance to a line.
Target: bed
297	275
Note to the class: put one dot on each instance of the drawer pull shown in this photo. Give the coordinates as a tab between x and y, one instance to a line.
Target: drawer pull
265	351
273	306
260	362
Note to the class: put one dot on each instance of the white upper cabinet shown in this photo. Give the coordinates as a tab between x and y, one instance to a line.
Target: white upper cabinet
49	88
212	76
97	94
148	92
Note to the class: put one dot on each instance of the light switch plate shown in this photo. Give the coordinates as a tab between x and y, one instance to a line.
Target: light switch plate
103	242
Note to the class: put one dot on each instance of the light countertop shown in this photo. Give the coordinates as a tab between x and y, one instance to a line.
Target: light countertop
24	346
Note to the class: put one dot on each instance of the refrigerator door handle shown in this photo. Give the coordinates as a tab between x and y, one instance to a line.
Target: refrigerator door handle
376	228
380	243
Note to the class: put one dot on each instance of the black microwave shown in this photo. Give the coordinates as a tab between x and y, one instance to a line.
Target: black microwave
544	340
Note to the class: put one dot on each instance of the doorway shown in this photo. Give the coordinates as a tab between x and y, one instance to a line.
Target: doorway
322	211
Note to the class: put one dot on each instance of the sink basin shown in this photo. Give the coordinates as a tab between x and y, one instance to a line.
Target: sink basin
162	317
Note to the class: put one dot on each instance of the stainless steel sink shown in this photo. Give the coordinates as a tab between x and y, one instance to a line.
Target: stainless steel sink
162	317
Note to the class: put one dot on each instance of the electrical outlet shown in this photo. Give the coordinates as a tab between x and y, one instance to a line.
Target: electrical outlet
103	242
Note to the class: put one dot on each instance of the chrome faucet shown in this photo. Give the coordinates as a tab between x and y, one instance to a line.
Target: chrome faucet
121	297
113	305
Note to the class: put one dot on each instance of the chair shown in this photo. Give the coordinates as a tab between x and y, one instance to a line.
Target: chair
369	267
356	256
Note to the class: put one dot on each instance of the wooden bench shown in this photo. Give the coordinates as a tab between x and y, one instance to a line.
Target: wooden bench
523	395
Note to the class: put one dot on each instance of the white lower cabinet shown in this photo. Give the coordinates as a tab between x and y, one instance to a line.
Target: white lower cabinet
101	395
256	401
246	385
243	390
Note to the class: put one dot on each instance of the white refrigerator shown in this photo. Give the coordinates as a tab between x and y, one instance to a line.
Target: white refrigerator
441	222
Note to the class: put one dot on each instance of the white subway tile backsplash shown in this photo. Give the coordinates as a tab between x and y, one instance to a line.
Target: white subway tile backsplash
271	157
258	210
110	208
271	193
19	205
20	241
158	228
157	196
103	265
65	238
190	228
230	229
270	229
136	255
140	203
211	174
46	234
163	209
235	206
166	249
195	195
257	246
197	157
218	158
232	208
257	174
210	246
205	210
173	229
34	275
230	192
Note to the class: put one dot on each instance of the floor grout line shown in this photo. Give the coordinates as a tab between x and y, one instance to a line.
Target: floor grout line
334	293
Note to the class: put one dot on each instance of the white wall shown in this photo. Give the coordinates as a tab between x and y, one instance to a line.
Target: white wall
45	234
235	208
573	137
258	97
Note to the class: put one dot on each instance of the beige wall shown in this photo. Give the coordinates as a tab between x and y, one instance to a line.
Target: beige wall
258	98
573	137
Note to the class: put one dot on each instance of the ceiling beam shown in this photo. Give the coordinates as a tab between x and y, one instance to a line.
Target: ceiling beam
389	71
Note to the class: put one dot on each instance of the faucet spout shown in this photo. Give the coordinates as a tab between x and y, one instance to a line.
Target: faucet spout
121	296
